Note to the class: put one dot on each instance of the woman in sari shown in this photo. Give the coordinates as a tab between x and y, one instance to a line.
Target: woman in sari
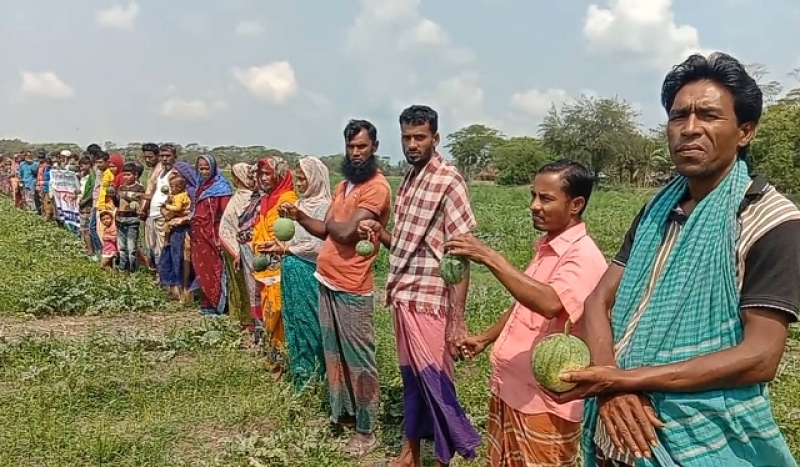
212	198
174	267
238	295
277	184
299	289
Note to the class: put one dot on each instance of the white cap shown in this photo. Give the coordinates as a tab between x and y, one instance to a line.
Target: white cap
66	153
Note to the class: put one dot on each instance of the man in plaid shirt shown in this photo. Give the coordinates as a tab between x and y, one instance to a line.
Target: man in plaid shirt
432	206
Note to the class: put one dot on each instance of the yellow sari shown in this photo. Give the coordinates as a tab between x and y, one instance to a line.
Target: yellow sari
263	231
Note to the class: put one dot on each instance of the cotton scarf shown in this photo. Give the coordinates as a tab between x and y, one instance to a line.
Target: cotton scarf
229	225
188	173
216	185
693	310
318	193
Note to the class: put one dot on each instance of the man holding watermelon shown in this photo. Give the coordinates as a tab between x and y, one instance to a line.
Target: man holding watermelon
526	427
689	323
432	203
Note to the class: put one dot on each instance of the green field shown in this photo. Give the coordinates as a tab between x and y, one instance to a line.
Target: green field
144	383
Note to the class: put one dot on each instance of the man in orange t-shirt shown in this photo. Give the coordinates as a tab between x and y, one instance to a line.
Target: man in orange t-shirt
526	426
346	292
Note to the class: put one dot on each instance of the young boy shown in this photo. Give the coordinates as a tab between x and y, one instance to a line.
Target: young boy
85	175
128	223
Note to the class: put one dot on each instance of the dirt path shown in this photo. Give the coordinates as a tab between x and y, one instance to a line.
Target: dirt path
155	325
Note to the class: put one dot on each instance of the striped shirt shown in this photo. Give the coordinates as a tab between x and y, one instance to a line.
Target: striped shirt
768	266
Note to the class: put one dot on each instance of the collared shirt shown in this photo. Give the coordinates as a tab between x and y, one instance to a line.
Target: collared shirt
572	265
431	207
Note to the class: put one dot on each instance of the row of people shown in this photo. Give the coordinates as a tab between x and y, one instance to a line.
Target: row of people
685	326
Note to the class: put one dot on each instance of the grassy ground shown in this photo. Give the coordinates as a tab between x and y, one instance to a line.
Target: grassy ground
126	388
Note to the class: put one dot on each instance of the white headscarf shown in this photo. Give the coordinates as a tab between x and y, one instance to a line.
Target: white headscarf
315	202
318	193
229	225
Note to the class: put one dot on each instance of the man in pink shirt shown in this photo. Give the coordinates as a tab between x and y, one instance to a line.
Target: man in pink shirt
526	427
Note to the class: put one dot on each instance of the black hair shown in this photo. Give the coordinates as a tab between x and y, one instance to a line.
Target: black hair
150	147
420	115
133	168
169	147
577	180
721	68
101	156
354	127
85	160
94	149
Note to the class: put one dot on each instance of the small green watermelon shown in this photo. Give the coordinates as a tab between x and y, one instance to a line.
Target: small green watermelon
165	189
284	229
556	354
133	205
365	248
453	268
260	263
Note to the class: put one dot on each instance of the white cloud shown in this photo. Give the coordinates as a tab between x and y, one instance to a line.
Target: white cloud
642	30
404	44
274	82
537	103
44	84
191	109
118	17
249	28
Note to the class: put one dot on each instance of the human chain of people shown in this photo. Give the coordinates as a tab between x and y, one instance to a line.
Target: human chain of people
660	358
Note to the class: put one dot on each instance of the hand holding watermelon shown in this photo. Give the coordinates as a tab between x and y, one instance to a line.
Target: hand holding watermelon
468	246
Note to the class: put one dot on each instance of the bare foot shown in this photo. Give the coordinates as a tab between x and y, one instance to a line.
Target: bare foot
360	445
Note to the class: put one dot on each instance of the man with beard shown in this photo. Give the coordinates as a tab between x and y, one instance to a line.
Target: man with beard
346	297
152	245
526	427
432	206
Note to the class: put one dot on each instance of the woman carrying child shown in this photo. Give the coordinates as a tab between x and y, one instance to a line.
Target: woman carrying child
173	267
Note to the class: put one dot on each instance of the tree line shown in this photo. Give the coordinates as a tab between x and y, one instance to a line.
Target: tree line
605	134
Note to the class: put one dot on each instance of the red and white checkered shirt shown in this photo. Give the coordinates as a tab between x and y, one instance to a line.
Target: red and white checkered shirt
431	207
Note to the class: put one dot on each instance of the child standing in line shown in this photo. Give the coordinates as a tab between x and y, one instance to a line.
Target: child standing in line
109	237
48	209
86	176
128	223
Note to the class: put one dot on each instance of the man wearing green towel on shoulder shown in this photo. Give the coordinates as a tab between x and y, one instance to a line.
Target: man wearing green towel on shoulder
689	323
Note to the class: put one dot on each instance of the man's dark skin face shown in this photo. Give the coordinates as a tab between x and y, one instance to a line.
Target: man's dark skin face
167	158
360	148
419	143
150	158
704	134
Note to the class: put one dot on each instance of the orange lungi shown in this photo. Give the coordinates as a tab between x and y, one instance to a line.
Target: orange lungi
517	439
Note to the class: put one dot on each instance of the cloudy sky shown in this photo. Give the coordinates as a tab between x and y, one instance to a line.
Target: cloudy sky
290	73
